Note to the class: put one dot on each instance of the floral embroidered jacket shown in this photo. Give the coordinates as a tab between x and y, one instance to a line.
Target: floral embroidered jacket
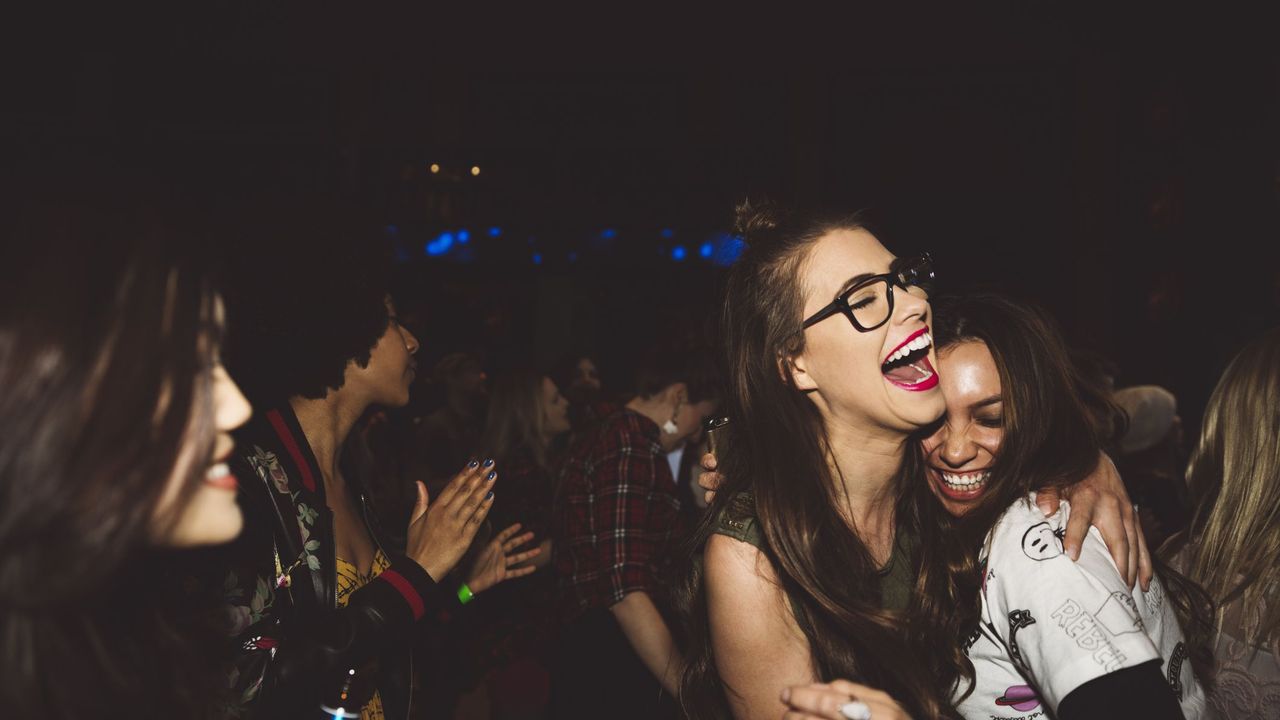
295	648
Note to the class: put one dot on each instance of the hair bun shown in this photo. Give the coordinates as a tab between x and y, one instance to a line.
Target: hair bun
754	217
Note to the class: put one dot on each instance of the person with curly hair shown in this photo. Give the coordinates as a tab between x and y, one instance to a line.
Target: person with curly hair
323	611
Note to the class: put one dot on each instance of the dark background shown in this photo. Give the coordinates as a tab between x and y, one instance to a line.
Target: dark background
1123	172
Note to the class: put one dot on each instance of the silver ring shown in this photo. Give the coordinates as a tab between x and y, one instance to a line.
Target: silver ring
855	710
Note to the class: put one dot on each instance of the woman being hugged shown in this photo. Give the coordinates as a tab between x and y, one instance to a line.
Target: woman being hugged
811	541
823	549
1072	639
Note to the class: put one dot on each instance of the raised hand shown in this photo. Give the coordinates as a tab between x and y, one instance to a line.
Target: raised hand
440	532
498	560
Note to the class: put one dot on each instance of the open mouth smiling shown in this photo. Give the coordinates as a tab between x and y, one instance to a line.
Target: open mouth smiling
908	366
961	485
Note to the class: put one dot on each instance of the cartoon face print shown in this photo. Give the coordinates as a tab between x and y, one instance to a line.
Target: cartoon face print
1042	542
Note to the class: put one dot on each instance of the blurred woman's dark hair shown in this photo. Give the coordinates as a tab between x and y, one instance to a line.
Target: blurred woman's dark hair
1095	377
669	361
306	291
564	370
778	450
1055	423
108	335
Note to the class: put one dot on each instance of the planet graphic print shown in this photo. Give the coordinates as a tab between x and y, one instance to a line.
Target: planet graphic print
1019	697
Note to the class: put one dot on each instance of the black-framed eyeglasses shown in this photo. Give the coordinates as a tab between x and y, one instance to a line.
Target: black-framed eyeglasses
869	303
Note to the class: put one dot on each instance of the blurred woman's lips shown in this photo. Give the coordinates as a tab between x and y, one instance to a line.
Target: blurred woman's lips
219	476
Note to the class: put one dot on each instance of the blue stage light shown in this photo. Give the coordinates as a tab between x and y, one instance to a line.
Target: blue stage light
678	252
495	232
440	245
464	237
727	249
608	233
667	233
537	258
705	250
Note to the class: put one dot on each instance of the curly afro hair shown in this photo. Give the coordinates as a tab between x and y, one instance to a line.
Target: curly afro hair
306	293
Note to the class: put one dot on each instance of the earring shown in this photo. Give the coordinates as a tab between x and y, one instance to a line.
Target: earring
669	427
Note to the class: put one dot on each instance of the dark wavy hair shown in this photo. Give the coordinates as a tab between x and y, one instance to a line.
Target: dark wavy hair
669	361
778	450
1055	424
107	341
306	291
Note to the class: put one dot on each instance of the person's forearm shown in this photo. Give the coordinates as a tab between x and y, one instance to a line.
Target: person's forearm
649	637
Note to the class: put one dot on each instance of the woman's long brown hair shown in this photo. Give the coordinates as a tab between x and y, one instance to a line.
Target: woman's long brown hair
778	451
107	341
515	420
1054	426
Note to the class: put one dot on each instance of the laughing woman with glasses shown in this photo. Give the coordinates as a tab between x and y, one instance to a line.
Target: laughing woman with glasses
1042	634
822	548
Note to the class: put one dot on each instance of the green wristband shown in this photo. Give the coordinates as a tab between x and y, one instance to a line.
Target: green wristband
464	594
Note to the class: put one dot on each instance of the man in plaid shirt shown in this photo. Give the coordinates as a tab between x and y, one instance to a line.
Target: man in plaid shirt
617	522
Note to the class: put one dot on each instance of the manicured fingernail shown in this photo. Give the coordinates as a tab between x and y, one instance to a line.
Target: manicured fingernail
492	474
489	495
488	462
473	464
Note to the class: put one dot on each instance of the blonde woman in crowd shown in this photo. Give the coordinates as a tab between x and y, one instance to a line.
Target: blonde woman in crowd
1233	545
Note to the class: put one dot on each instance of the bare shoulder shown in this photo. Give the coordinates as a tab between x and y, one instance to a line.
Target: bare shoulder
734	564
758	646
742	584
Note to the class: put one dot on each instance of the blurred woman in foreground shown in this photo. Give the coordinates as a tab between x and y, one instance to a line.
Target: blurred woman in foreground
115	415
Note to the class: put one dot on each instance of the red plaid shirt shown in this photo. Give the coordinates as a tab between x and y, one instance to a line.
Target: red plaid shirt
617	518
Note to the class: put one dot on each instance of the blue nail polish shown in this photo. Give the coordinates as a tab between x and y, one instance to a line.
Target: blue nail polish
488	462
489	496
473	463
492	474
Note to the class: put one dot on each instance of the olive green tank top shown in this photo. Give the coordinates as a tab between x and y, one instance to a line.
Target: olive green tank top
897	577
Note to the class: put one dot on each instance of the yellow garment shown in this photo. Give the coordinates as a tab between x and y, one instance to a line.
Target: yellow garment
350	580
